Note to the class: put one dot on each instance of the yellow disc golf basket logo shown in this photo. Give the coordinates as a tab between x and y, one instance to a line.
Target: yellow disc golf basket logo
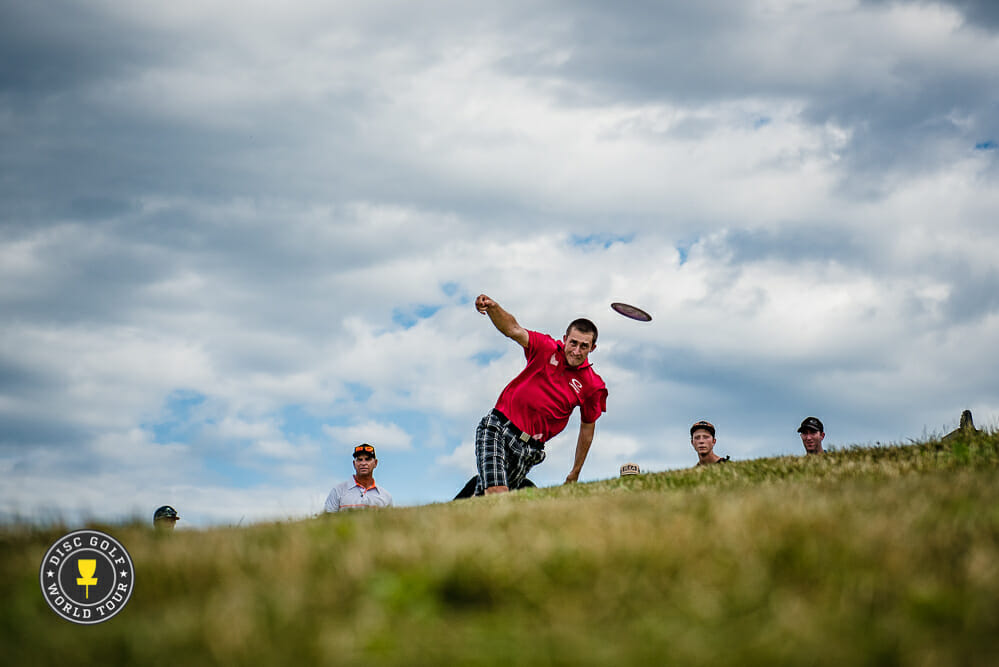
87	577
87	568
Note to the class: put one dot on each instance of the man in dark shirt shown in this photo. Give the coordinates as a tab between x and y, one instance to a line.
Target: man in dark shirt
702	439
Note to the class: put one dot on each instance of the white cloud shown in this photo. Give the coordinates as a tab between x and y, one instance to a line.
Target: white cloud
381	435
461	459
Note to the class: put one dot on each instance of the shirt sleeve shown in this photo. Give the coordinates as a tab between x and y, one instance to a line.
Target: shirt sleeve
538	344
333	501
594	406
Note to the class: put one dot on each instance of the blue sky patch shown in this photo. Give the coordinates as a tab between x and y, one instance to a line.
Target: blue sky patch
408	317
234	475
989	145
176	424
296	422
486	358
602	240
359	392
683	249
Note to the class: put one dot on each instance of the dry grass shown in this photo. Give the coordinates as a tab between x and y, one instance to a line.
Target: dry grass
877	556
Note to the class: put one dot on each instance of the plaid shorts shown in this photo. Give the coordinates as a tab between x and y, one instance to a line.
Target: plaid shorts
501	457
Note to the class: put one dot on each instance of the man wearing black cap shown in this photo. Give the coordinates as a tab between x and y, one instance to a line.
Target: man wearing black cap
361	491
812	434
165	518
702	438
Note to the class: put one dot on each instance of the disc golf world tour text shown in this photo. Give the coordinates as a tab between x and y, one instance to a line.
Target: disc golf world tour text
67	549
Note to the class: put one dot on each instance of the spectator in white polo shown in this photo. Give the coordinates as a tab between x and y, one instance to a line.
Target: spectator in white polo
360	491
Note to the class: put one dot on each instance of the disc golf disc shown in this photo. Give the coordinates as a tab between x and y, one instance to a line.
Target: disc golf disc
631	311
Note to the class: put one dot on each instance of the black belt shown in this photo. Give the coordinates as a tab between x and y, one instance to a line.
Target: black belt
523	437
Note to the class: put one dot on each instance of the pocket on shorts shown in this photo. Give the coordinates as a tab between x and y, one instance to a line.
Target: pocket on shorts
534	455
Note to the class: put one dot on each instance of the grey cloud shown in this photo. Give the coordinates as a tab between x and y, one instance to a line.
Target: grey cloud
30	419
72	136
973	291
64	147
29	395
48	47
97	207
76	137
979	13
794	244
18	377
657	51
928	112
88	276
973	297
21	433
738	376
760	396
935	124
260	272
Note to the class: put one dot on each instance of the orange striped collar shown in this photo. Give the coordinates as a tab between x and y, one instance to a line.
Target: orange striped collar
366	488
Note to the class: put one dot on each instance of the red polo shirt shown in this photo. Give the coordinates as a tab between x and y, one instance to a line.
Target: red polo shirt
540	399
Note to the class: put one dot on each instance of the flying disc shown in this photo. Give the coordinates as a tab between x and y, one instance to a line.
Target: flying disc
631	311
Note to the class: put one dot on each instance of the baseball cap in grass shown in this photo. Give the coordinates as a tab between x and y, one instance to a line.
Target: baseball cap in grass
707	426
629	469
812	424
165	513
364	448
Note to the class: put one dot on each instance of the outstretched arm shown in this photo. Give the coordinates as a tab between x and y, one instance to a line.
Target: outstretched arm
583	443
502	320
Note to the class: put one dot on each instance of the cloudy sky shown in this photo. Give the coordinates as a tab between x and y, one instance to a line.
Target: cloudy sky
237	238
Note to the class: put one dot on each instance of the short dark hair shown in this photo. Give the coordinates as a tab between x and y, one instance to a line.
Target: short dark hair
584	326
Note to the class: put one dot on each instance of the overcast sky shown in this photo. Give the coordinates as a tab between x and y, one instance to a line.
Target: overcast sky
238	238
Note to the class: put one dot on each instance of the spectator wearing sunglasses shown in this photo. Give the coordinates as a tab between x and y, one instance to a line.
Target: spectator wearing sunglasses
360	491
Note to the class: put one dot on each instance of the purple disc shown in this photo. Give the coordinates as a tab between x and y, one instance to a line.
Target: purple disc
631	311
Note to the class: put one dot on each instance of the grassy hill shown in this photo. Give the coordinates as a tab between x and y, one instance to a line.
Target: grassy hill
864	556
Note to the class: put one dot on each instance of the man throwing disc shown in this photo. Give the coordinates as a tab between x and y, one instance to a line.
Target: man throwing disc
536	405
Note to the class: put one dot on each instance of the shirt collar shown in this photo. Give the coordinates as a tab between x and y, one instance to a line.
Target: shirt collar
366	488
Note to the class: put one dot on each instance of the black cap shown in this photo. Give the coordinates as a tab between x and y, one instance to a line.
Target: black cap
364	448
707	426
812	424
165	513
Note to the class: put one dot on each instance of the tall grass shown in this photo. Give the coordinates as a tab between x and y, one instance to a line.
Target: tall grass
864	556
